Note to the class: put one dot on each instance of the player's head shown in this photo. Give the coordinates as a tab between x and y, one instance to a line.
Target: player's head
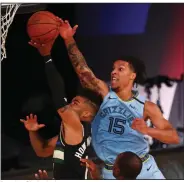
127	166
127	70
86	105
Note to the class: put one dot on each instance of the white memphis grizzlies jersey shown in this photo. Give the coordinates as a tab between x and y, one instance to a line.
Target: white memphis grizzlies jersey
111	128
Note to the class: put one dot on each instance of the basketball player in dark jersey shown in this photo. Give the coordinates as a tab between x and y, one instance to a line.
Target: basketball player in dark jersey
73	140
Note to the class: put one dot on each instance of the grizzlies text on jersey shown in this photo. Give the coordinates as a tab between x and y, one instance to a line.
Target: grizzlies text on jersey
112	134
111	128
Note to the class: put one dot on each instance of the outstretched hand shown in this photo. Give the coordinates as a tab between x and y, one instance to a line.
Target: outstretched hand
31	123
66	31
44	49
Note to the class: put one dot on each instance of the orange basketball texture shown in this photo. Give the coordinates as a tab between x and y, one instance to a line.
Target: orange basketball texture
43	27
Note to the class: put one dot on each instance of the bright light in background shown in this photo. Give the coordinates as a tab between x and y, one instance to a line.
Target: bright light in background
166	97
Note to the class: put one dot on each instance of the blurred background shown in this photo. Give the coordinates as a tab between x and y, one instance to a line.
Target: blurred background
153	32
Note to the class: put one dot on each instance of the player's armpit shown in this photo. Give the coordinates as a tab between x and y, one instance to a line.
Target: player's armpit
164	131
85	74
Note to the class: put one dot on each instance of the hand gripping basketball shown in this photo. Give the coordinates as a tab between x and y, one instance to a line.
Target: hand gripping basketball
66	31
43	27
44	49
31	123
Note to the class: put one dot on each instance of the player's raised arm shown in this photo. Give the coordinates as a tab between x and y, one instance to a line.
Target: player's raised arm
57	87
42	148
85	74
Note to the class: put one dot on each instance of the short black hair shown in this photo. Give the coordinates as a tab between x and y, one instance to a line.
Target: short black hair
129	164
138	66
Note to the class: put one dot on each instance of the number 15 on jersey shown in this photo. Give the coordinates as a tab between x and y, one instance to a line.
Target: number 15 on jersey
116	125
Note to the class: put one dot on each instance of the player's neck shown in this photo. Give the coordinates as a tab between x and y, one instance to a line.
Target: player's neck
125	94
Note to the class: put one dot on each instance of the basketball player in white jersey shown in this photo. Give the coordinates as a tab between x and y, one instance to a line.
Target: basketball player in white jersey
120	124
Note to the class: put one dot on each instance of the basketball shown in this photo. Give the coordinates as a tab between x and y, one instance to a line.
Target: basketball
43	27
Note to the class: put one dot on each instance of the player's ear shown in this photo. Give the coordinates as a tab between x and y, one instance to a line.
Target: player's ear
86	116
116	171
133	76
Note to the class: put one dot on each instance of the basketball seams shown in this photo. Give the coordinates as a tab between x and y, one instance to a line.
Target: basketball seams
41	23
44	13
44	33
36	27
56	34
49	40
46	40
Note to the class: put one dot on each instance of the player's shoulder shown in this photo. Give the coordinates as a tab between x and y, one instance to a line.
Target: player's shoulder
150	106
110	95
141	99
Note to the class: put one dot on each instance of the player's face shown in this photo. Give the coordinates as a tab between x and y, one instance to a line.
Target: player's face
80	105
121	74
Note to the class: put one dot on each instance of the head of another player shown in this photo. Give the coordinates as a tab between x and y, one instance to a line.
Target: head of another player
86	105
127	166
126	71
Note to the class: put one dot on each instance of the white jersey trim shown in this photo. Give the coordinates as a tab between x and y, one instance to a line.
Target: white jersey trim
58	154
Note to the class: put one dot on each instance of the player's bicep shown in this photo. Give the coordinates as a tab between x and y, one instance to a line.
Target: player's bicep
156	117
49	146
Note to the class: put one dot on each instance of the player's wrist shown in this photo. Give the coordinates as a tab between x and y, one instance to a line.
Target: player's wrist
33	131
95	174
147	131
45	54
47	58
69	39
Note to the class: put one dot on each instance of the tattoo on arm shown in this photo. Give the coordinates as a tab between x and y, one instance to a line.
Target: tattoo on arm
86	76
77	59
88	80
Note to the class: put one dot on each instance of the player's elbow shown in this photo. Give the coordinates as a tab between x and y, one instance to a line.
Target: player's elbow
43	153
175	138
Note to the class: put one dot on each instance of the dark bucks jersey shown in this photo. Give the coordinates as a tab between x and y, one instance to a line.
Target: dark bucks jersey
66	158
